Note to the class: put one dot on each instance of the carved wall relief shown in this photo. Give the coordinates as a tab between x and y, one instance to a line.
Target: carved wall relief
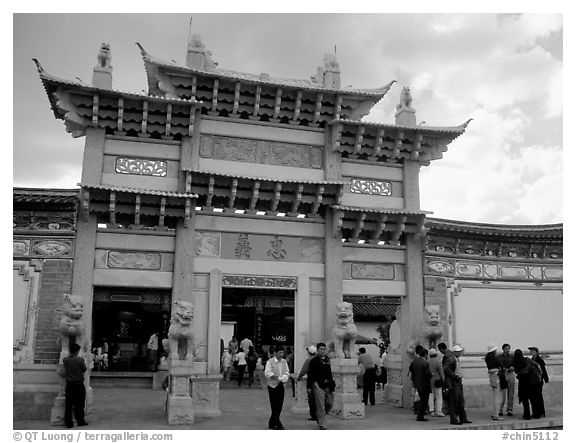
141	166
207	244
134	260
373	271
311	250
261	151
372	187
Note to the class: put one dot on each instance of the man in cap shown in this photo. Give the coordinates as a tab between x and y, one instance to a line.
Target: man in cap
309	388
453	381
538	407
493	365
507	389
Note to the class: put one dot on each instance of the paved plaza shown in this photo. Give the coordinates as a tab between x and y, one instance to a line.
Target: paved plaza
248	409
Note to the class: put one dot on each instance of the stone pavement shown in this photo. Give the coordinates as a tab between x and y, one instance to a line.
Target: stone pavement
248	409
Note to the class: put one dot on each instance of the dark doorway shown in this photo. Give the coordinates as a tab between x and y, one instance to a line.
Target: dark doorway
266	316
125	319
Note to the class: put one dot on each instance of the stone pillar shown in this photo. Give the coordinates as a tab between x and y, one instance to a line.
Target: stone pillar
82	284
347	401
332	274
301	339
214	320
93	160
413	304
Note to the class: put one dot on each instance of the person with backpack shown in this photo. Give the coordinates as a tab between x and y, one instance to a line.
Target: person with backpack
529	377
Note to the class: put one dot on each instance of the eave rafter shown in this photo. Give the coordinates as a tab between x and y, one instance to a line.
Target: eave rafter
376	226
264	196
374	142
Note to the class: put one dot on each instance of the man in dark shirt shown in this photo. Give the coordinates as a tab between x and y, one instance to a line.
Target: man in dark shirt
421	376
320	377
493	365
74	369
309	388
507	392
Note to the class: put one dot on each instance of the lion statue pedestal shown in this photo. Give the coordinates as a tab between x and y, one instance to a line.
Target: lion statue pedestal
344	363
180	406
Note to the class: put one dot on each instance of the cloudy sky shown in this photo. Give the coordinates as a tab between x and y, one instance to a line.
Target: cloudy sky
503	70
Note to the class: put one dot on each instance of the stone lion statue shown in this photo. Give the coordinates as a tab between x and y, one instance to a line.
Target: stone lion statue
72	322
431	329
405	99
181	329
104	56
344	334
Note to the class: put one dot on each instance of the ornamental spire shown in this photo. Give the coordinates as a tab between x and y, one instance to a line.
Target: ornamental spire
197	56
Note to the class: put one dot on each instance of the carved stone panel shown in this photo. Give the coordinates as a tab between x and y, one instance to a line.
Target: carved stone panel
553	272
207	244
243	246
311	250
372	187
468	269
56	248
514	272
141	166
261	151
373	271
443	267
21	247
134	260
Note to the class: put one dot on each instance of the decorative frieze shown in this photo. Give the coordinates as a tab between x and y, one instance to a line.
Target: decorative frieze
372	187
259	282
21	248
261	151
150	261
491	270
141	166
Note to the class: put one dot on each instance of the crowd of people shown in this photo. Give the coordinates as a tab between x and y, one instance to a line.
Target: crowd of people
437	382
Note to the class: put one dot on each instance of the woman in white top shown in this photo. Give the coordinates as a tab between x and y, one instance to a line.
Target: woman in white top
240	357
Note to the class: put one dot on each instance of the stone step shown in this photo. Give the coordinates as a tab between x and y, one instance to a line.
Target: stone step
110	379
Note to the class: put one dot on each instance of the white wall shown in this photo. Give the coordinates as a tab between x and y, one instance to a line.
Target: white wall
520	315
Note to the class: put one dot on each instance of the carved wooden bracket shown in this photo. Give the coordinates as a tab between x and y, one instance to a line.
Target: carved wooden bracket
379	143
277	191
319	192
358	142
297	200
337	222
359	226
210	191
400	228
381	225
254	199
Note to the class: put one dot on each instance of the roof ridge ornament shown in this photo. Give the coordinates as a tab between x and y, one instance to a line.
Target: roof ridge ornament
405	113
328	75
197	56
102	72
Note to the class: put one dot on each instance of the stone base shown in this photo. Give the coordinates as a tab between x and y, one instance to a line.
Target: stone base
392	394
206	395
180	410
300	406
347	402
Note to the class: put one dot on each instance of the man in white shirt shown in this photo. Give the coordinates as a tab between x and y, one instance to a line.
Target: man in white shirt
245	345
277	374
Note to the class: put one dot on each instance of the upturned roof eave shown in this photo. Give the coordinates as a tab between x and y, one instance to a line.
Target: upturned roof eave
373	94
548	230
453	130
